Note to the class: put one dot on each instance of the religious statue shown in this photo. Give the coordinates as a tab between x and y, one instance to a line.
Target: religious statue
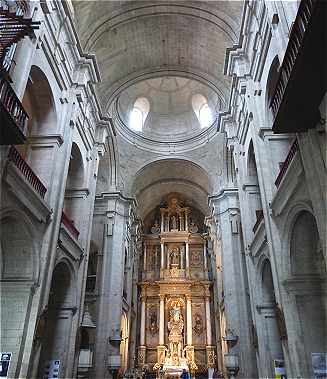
153	327
174	257
173	223
198	324
175	327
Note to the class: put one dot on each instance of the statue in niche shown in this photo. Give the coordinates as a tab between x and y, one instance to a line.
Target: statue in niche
152	259
173	221
193	227
175	327
153	325
174	257
198	324
155	228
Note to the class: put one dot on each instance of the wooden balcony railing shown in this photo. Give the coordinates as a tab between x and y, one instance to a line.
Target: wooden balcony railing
26	170
13	23
294	148
300	26
13	106
69	224
259	215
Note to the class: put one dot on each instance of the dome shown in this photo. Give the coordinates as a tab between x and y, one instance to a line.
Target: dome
170	107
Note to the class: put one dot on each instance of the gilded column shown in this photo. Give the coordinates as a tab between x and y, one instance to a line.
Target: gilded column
187	258
208	320
186	220
142	347
162	320
142	332
162	227
162	246
144	258
189	319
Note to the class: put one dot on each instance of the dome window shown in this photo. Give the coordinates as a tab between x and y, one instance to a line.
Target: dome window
202	110
139	113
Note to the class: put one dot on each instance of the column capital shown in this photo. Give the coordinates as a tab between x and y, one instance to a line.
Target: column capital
162	296
188	297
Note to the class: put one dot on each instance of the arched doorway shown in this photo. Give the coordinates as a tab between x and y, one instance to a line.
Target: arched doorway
60	311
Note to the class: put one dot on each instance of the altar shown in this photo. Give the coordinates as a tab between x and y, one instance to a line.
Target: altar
175	323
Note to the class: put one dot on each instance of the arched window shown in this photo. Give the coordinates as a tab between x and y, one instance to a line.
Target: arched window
138	114
202	110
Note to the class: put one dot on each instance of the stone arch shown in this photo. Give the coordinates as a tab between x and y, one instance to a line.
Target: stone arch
305	284
58	319
269	322
76	169
19	263
306	256
253	192
39	103
75	192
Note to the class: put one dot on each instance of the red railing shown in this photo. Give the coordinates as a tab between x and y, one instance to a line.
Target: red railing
69	224
294	148
26	170
299	28
13	106
259	214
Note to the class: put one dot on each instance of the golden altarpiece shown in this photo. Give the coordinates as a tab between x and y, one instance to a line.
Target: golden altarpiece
175	319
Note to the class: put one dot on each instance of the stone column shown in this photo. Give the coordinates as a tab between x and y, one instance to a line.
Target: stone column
186	221
208	320
162	246
189	319
111	281
142	331
162	320
225	211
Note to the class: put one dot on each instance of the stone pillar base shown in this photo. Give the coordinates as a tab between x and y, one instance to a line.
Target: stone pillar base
211	356
141	356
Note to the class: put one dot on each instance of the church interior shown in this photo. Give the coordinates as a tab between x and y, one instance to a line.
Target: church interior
163	189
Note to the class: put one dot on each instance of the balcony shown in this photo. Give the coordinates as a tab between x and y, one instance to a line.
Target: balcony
302	78
13	118
14	24
27	172
69	224
284	166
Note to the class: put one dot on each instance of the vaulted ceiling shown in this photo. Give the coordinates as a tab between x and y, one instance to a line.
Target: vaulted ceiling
137	40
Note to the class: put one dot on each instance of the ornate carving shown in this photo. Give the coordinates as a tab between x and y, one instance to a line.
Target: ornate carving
153	320
211	357
141	356
155	228
196	258
193	227
197	324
